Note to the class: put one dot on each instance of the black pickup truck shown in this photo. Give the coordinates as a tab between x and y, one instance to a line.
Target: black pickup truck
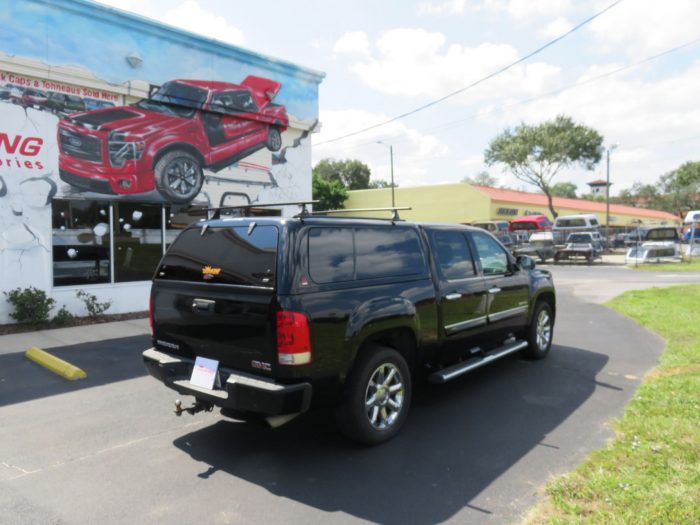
275	316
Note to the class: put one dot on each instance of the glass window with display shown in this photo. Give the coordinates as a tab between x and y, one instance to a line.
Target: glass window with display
81	242
138	241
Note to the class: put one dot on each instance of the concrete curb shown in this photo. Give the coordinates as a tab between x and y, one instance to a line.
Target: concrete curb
56	365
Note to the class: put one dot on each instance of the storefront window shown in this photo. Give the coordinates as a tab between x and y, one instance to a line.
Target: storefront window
80	242
177	218
138	241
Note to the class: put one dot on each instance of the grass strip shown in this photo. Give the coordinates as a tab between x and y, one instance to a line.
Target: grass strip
650	473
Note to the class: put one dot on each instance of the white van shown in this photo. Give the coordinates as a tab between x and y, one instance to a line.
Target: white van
566	224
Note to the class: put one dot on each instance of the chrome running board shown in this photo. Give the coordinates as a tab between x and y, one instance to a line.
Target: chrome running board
444	375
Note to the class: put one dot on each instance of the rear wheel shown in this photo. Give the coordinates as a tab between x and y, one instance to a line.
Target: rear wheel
274	139
540	331
376	398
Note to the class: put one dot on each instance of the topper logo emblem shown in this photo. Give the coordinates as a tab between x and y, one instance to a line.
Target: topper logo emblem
209	272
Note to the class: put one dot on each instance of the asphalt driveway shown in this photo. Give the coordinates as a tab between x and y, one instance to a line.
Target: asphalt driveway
476	450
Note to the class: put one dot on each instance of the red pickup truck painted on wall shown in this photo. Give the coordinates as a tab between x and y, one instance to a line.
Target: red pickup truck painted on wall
165	141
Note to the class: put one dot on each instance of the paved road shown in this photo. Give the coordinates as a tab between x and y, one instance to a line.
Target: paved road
109	450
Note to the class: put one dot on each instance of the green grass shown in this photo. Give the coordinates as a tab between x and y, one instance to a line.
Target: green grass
650	473
684	266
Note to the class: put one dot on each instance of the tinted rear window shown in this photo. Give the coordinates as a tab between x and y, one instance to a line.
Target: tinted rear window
223	255
331	255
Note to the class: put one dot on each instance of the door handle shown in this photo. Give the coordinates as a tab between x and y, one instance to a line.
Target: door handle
453	296
494	290
203	305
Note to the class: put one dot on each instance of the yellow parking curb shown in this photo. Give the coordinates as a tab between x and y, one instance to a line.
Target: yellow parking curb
56	365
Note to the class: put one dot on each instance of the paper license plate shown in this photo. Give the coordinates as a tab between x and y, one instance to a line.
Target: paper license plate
205	372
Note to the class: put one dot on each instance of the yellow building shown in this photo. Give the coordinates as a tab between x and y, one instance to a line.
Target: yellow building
464	203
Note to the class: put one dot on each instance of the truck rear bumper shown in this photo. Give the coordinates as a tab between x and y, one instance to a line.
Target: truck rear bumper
238	391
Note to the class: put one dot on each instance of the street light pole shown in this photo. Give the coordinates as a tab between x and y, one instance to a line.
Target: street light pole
607	193
391	159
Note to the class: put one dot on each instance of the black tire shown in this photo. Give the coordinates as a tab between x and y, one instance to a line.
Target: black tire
179	176
274	139
540	340
372	424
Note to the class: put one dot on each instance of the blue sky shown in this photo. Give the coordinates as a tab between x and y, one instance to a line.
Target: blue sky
384	57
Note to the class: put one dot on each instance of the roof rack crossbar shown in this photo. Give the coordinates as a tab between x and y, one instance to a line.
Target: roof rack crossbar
394	210
215	213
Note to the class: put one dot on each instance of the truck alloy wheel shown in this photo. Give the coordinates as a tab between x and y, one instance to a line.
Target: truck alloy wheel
178	176
377	396
539	333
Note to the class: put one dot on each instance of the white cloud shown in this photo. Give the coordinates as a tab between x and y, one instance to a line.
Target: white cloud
352	42
454	7
190	16
416	62
522	9
646	117
413	150
556	27
187	15
644	26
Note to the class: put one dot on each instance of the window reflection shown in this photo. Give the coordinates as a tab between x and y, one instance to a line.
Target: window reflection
80	242
138	242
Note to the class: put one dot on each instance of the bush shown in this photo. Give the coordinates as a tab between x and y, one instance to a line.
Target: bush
31	305
92	305
63	316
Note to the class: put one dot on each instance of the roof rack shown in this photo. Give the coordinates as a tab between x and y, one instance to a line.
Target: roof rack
394	210
215	213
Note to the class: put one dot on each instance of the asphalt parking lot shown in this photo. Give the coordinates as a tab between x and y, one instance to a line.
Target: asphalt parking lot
108	449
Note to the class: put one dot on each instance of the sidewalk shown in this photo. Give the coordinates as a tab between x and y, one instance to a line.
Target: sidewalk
46	339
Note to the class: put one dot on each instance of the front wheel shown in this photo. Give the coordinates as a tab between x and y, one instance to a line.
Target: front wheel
376	398
179	176
540	331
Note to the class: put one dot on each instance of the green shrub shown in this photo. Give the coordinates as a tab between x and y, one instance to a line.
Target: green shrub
63	316
92	305
31	305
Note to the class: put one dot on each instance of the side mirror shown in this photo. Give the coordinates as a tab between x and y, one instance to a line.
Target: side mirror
526	262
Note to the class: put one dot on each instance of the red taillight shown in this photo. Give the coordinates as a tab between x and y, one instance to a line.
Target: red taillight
150	312
293	339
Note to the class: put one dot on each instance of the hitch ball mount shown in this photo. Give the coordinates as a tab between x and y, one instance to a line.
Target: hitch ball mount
197	406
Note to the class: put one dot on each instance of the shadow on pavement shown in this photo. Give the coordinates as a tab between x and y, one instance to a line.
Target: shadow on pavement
458	439
104	362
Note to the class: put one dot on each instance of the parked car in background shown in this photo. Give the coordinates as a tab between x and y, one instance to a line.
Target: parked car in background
523	227
647	234
16	93
495	227
540	245
63	104
5	92
579	245
93	103
35	98
567	224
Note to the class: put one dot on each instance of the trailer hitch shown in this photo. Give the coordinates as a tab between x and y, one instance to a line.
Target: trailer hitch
198	406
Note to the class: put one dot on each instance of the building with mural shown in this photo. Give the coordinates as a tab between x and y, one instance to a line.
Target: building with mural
109	146
465	203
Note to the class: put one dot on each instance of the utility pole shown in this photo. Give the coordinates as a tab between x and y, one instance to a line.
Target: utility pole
607	194
391	159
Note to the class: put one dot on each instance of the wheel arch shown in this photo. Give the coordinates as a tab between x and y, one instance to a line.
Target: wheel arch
181	146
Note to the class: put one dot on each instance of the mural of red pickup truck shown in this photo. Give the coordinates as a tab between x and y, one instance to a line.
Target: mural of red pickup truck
165	141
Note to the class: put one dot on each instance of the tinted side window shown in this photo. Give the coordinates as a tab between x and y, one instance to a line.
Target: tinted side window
452	254
492	256
387	252
331	255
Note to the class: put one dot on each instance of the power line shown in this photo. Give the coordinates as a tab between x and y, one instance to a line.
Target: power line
477	82
549	93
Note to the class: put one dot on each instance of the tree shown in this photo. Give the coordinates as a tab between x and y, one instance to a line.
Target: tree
564	189
352	174
681	188
483	178
331	194
535	154
381	183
